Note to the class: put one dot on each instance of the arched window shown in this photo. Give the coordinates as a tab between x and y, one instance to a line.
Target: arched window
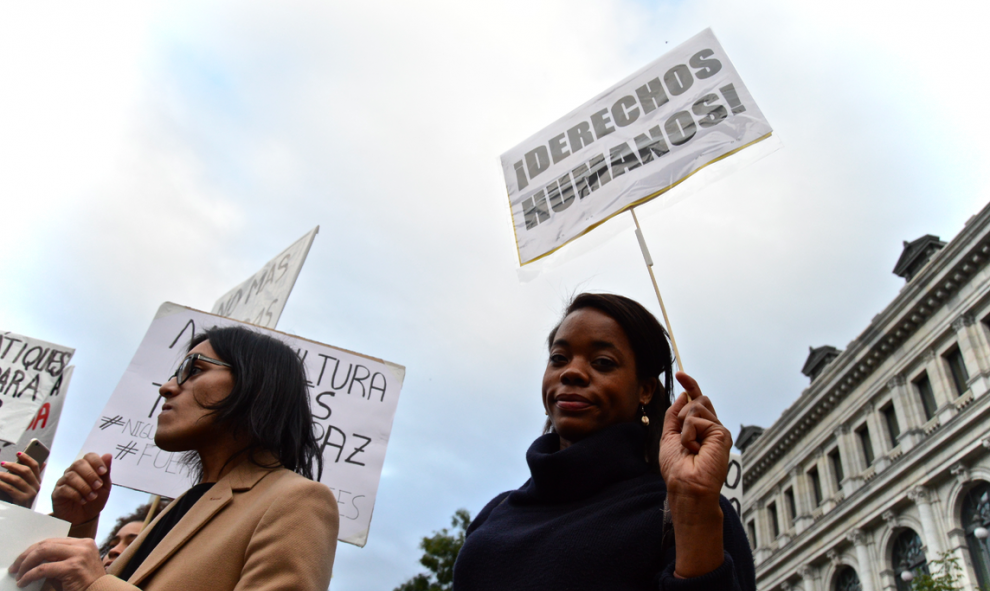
908	555
847	580
976	513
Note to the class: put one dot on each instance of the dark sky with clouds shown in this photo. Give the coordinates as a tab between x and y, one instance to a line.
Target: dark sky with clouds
165	151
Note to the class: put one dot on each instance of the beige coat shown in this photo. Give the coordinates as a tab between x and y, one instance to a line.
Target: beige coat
256	528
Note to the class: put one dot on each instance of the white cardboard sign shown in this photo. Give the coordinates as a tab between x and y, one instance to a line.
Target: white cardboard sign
22	527
628	145
353	398
29	371
733	487
261	298
45	421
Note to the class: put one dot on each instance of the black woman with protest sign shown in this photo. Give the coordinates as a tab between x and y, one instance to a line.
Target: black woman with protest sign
603	509
238	405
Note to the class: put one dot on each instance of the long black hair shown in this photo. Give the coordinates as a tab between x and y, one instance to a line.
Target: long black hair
269	402
650	348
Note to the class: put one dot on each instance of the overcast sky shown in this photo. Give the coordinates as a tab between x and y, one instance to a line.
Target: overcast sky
155	152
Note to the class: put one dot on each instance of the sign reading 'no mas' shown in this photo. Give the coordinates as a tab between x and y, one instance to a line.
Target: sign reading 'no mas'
628	145
353	398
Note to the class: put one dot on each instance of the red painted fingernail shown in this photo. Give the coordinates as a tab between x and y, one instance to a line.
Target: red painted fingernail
3	463
18	454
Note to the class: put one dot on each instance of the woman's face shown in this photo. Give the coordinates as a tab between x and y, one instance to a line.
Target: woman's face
590	382
184	423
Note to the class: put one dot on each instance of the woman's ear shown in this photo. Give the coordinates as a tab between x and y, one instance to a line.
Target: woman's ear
647	388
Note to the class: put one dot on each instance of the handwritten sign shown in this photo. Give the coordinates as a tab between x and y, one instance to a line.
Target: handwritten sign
45	421
22	527
353	398
30	369
733	487
261	298
629	144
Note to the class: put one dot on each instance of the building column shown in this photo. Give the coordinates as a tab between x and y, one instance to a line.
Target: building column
879	437
852	462
910	413
809	575
803	499
942	386
922	498
866	566
972	354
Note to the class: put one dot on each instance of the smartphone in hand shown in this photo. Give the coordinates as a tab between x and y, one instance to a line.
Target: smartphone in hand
37	451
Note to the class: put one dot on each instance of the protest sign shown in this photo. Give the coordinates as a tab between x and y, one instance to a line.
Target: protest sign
22	527
353	398
733	487
30	369
261	298
631	143
45	421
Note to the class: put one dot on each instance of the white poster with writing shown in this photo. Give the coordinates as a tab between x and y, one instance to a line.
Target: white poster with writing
733	487
30	370
261	298
629	144
22	527
353	398
45	422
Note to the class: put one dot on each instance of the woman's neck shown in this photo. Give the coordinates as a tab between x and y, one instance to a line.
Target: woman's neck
218	460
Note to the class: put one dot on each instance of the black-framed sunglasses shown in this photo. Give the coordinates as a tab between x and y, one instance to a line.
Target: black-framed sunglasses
184	371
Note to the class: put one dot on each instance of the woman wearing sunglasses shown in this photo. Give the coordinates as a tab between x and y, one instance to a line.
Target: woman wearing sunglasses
238	406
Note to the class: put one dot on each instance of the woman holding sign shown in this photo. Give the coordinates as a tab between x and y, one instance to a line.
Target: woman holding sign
238	404
603	509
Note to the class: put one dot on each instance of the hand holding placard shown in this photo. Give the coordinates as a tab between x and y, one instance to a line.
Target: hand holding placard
22	527
74	562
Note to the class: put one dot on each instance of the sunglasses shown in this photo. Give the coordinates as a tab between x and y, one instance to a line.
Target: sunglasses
185	369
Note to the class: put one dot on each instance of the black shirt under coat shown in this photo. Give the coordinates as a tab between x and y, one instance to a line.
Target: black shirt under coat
589	518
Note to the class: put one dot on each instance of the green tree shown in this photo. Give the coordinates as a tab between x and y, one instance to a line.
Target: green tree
439	554
946	575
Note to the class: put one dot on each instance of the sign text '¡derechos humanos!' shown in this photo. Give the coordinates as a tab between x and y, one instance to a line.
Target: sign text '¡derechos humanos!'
678	129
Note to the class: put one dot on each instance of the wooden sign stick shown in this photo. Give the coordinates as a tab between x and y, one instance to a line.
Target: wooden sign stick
649	266
155	500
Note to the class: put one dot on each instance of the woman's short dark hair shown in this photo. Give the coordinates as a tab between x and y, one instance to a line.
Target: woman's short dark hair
651	348
270	399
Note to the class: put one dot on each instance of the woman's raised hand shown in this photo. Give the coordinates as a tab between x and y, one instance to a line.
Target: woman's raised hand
694	461
22	480
694	447
82	491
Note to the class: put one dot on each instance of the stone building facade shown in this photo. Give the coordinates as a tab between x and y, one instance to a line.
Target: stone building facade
883	462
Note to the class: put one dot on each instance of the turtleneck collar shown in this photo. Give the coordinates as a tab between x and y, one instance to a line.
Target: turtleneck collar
586	467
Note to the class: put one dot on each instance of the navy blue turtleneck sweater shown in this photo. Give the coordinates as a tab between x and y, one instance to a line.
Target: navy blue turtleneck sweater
590	518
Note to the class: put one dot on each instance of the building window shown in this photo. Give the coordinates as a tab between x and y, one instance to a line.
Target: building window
957	367
835	459
751	527
924	388
908	555
847	580
893	428
863	433
816	485
791	506
774	524
976	513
